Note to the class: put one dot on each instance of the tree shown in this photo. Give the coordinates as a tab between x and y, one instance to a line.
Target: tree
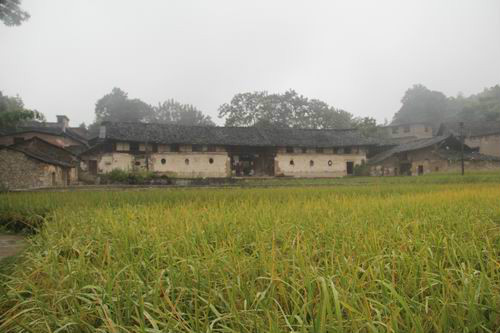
367	126
288	110
13	112
11	12
116	106
421	105
173	112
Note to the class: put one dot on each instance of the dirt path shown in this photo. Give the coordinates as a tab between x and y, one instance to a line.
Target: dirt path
10	245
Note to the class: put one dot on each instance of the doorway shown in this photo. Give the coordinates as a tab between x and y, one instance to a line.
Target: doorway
420	170
93	167
350	168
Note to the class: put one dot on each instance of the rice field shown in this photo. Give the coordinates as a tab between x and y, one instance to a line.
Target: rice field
407	256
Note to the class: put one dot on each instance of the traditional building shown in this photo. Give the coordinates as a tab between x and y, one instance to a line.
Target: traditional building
58	133
35	163
197	151
422	156
408	130
485	136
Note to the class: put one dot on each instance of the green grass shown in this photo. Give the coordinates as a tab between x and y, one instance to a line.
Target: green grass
416	254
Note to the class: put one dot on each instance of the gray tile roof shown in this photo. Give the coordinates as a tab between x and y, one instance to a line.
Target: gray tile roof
46	152
408	146
70	133
233	136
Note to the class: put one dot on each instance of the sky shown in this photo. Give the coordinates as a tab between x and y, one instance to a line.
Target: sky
360	56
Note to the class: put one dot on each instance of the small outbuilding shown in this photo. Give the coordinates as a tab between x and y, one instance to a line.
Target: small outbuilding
422	156
36	163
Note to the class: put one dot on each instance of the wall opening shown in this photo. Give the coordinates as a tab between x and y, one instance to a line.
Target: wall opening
311	163
163	161
350	168
186	161
292	163
211	160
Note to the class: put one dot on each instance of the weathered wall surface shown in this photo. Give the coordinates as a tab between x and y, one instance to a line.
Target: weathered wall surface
54	139
416	130
182	164
18	171
191	165
323	165
430	162
488	144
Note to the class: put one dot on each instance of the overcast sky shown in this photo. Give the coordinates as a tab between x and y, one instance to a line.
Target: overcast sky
360	56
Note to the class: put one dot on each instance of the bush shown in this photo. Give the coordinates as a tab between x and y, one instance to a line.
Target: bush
362	169
117	176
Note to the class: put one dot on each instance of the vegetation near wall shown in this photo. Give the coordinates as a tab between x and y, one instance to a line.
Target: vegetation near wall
408	257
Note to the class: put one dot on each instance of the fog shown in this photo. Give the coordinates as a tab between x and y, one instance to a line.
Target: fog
360	56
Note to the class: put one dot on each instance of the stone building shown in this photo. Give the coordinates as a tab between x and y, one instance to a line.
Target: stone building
422	156
196	151
58	133
36	163
484	136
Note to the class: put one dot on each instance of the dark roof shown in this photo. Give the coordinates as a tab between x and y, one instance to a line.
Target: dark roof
233	136
70	133
477	128
46	152
408	146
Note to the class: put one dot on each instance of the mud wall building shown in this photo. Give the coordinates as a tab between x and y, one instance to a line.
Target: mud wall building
196	151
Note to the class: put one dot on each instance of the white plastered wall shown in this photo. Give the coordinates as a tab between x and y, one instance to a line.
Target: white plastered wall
199	164
321	167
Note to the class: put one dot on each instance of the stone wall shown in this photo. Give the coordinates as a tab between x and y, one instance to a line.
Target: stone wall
18	171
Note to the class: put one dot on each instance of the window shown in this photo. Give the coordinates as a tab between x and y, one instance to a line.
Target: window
395	130
142	147
211	160
163	161
137	163
174	148
311	163
292	163
197	148
406	129
211	149
320	150
18	140
162	148
186	161
304	150
347	150
122	146
289	150
420	170
134	146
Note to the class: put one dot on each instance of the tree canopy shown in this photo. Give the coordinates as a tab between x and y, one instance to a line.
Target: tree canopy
13	112
423	105
173	112
117	106
289	110
11	12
